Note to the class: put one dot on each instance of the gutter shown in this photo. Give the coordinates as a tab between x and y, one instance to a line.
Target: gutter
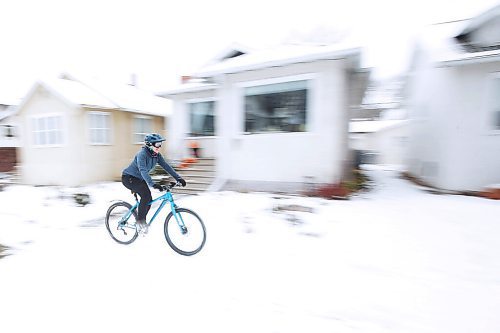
480	59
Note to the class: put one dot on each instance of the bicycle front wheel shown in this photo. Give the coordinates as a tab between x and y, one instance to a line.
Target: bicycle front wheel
122	229
185	232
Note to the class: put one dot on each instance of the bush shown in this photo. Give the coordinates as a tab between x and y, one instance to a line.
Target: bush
82	198
3	250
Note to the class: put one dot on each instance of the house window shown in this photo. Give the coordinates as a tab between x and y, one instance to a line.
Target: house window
7	131
100	128
496	102
280	107
201	118
47	131
142	127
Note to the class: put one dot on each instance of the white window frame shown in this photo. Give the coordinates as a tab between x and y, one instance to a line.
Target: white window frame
494	80
36	131
136	133
188	107
311	93
107	130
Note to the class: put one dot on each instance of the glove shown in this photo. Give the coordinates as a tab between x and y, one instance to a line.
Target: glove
182	182
158	187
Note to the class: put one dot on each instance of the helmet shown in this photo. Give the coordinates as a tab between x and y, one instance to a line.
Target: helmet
152	138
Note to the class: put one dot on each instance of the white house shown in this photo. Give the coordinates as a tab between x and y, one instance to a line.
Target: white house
75	132
380	141
273	119
454	100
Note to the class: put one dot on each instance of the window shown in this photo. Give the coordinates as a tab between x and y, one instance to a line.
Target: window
47	131
142	127
495	95
100	128
7	131
280	107
201	118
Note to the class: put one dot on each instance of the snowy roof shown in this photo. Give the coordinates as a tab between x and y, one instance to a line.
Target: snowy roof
127	97
189	87
233	50
77	93
279	56
371	126
101	94
440	40
8	112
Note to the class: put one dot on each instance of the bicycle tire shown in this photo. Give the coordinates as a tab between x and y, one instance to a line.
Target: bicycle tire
188	243
118	210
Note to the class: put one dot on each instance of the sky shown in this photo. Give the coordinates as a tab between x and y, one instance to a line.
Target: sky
159	41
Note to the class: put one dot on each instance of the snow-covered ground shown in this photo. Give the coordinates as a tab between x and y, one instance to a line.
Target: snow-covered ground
395	259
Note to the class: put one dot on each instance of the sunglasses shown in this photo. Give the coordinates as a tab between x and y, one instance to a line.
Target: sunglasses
157	144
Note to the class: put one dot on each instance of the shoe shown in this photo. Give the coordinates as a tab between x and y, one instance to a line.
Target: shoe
142	227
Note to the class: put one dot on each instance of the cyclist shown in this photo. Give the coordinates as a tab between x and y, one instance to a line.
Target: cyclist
137	179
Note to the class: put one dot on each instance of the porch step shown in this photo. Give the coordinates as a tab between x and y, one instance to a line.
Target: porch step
199	175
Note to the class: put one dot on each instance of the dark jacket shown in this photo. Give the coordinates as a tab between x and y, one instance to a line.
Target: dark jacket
143	162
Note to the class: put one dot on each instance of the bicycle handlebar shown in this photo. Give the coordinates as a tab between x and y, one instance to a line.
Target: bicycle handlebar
170	186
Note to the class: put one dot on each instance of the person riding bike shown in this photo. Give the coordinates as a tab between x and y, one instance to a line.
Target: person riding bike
137	179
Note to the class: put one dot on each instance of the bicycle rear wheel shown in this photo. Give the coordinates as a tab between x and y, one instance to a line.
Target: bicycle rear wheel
185	234
122	230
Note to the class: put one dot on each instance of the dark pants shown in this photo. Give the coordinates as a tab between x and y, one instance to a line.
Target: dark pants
140	187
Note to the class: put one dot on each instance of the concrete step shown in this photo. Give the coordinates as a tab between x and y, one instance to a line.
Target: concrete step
199	176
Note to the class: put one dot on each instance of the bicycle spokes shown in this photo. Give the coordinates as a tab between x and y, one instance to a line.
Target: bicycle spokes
185	231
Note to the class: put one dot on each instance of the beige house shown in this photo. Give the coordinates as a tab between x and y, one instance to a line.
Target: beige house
76	132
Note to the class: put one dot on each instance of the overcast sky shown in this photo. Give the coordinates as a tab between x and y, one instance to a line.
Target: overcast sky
160	40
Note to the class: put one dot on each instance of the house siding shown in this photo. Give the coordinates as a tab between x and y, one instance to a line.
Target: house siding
76	161
452	145
286	158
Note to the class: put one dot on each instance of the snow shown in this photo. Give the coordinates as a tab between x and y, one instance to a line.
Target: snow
371	126
393	259
279	56
95	92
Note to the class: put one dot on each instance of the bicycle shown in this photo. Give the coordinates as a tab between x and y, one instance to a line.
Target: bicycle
184	230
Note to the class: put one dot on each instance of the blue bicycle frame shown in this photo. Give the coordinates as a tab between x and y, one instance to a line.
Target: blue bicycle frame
167	197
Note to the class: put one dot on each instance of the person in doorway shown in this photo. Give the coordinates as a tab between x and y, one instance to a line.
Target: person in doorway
137	179
195	148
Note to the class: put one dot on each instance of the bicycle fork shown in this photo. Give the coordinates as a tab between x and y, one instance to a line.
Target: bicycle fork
178	219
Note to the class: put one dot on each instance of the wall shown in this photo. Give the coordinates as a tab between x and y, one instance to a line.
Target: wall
76	161
473	160
452	145
178	127
49	165
106	162
287	158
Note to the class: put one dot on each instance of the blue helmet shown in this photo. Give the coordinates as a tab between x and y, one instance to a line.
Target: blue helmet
153	138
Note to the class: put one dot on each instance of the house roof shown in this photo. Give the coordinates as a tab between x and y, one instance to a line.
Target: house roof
279	56
8	112
126	97
100	94
190	87
77	93
443	41
233	50
246	59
